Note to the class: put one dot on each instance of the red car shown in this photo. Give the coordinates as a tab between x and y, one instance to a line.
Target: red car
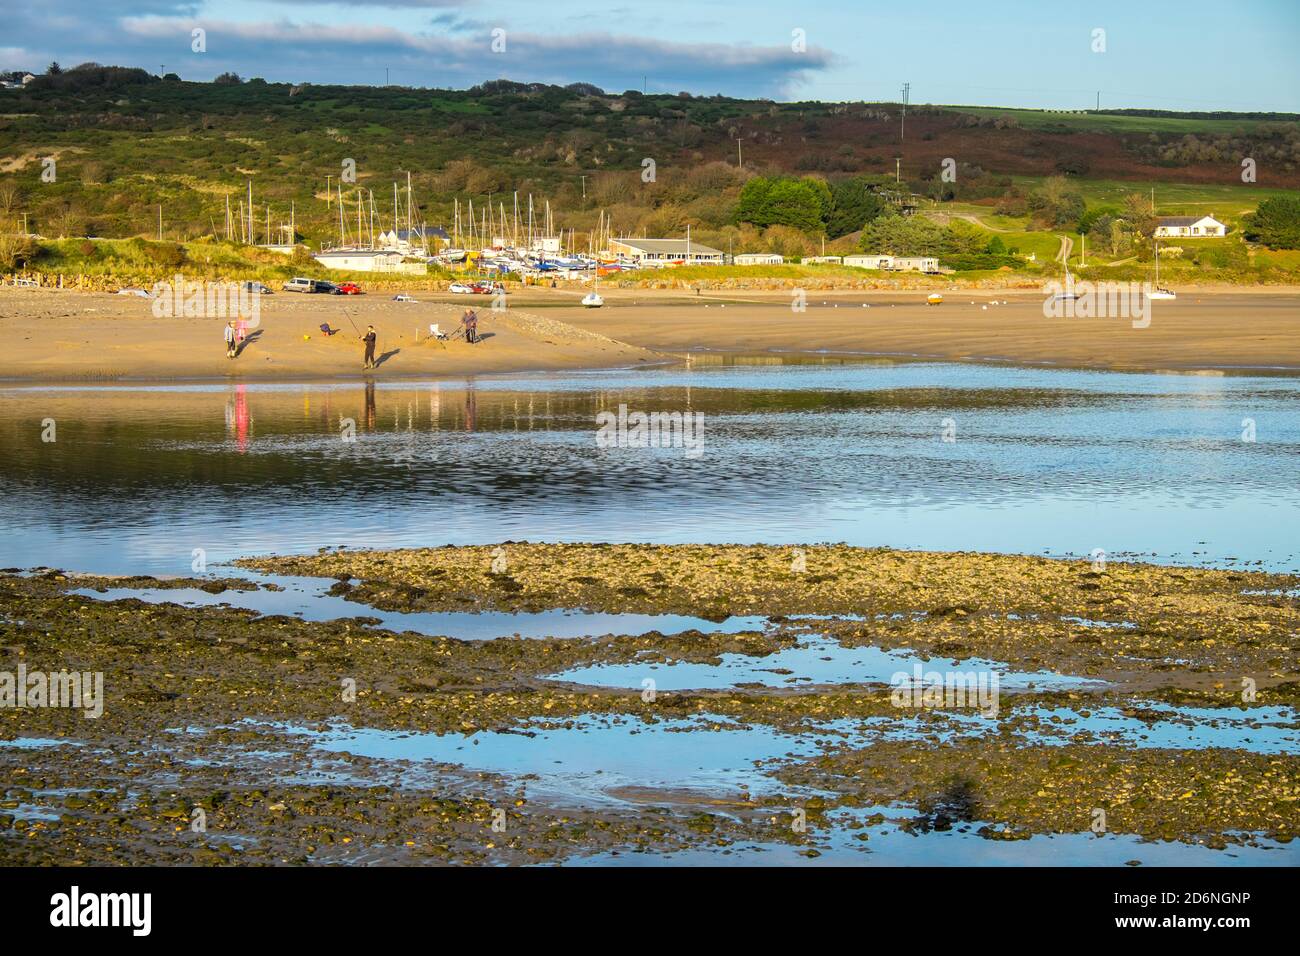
350	288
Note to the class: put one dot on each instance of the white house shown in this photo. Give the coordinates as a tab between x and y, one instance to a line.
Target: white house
368	260
758	259
894	263
663	252
869	262
825	260
1189	227
914	264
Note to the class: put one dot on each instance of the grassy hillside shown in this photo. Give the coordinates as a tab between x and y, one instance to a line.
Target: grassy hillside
126	144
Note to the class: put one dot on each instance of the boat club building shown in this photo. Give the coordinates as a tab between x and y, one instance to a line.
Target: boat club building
666	252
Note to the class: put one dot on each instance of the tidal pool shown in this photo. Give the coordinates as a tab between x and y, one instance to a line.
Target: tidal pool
815	660
307	598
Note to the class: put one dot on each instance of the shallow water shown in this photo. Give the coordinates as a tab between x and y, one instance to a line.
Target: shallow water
594	757
891	845
1043	461
306	598
179	480
815	660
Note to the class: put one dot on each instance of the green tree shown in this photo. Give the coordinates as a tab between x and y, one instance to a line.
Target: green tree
904	236
1056	203
1140	214
854	203
1276	223
802	203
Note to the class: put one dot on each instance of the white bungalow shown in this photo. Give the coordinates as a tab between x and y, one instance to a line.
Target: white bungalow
894	263
369	260
914	264
663	252
758	259
869	262
1189	227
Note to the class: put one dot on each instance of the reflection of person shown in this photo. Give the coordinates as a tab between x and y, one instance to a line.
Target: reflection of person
232	347
370	404
369	338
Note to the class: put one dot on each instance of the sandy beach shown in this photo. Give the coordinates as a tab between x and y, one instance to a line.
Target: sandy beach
1201	330
75	336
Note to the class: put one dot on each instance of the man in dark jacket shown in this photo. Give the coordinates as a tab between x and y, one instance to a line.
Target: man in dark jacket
369	338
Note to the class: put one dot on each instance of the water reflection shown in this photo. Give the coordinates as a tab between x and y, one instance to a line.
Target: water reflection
1043	461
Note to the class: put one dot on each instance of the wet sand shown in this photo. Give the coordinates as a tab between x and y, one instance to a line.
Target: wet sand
71	336
75	336
1201	330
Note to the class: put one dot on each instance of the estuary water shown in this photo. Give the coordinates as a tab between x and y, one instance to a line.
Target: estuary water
1185	469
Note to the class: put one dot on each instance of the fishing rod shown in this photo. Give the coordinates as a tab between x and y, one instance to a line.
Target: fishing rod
354	325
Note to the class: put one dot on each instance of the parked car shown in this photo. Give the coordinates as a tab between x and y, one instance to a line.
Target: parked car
300	284
350	288
256	287
328	288
461	288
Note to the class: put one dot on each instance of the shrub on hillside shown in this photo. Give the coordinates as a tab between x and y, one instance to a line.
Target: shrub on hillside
1276	223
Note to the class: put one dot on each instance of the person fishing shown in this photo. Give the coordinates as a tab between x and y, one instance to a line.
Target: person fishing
369	338
232	345
470	321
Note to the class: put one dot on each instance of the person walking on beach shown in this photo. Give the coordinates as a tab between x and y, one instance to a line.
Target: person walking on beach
369	338
232	346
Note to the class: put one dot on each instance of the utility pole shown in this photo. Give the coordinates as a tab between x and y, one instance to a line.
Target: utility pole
902	124
1099	101
584	186
898	175
160	222
740	159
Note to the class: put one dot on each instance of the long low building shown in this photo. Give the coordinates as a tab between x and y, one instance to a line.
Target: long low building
369	260
666	252
894	263
758	259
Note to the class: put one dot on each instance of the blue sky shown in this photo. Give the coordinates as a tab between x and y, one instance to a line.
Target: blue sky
1189	55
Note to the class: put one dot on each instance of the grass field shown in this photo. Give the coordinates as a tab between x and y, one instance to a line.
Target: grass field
1118	123
1172	198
